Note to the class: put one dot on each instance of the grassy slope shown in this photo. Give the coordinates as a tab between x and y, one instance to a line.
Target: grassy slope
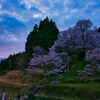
71	83
90	86
15	82
87	91
51	97
72	74
14	78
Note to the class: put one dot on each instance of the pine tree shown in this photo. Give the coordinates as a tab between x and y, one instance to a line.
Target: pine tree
32	40
43	36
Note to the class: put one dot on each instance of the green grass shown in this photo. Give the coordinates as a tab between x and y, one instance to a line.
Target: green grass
51	97
90	91
91	86
72	74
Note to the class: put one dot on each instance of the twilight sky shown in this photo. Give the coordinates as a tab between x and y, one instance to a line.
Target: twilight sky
17	18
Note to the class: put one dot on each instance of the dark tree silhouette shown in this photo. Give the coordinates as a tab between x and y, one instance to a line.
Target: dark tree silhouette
43	36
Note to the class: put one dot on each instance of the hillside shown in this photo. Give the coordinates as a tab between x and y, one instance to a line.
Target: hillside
70	68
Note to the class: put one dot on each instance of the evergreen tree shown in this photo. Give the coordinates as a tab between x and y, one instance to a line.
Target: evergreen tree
43	36
32	39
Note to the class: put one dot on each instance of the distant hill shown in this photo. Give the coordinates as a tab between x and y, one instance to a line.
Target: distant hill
1	58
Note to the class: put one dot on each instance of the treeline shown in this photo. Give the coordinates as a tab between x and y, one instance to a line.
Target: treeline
16	61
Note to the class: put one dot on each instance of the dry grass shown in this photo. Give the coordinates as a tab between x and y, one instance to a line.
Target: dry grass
13	79
14	82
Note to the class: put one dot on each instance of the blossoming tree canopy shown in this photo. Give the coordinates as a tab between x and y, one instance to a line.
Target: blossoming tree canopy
80	36
93	55
83	25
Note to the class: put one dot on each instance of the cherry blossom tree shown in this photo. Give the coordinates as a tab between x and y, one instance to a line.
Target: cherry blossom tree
40	60
57	59
74	38
83	25
93	55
